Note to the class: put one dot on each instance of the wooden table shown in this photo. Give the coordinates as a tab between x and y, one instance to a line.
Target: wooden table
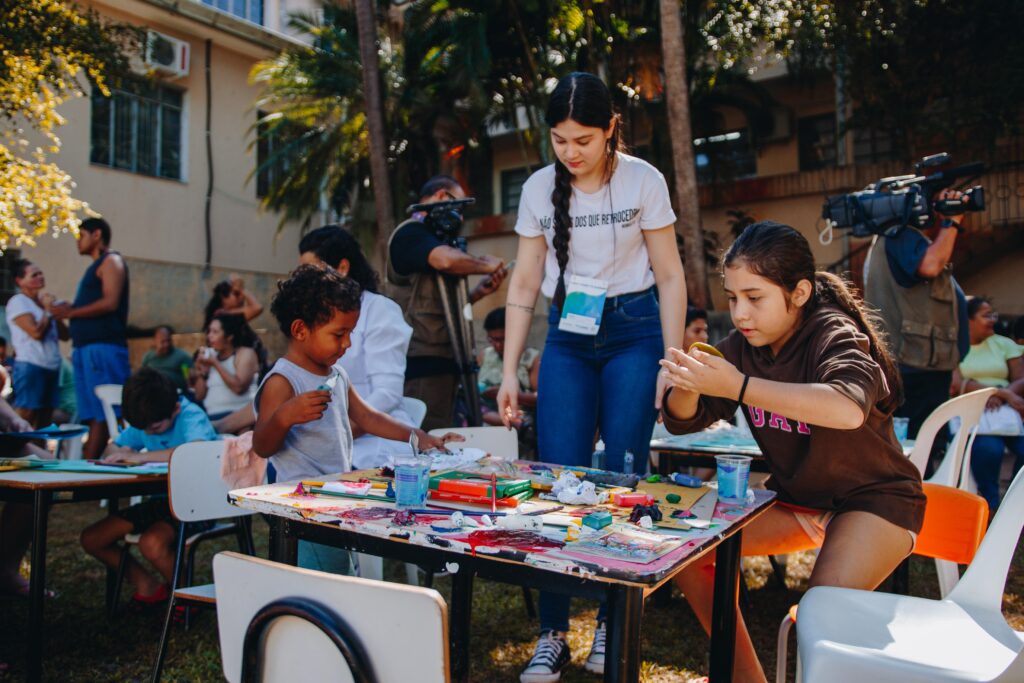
42	489
624	585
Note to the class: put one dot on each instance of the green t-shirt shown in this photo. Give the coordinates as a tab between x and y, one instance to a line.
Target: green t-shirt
171	365
987	362
68	402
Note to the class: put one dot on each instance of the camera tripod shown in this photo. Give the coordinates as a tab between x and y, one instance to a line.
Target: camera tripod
454	292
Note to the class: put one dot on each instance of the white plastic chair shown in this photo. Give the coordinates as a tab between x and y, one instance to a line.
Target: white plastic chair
969	408
955	468
851	636
293	624
197	494
110	396
415	409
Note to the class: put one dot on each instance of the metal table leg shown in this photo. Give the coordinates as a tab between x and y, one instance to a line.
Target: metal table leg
284	548
723	615
460	616
37	584
112	508
622	648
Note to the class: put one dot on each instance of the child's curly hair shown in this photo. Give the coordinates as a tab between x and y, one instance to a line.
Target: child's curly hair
312	294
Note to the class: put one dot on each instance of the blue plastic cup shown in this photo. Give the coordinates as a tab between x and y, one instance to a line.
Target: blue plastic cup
733	477
411	482
901	426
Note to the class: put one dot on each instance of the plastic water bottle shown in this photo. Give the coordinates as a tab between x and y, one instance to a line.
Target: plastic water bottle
627	463
597	459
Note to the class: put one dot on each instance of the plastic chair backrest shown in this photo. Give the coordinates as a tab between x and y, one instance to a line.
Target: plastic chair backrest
981	586
954	524
110	396
403	629
500	442
197	492
969	409
415	409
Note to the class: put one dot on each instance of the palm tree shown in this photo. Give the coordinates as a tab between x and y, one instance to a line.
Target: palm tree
366	19
677	97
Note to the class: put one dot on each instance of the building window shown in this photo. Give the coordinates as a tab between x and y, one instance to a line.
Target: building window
724	157
873	146
512	188
245	9
816	136
272	157
138	129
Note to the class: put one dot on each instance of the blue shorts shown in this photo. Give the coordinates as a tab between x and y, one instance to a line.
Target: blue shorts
35	387
97	364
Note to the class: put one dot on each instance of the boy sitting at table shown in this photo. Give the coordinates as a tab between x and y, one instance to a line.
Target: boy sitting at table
306	406
160	421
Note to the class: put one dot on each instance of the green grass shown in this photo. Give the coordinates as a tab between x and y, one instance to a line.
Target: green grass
83	645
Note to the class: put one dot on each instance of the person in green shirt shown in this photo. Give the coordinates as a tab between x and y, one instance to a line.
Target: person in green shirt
168	359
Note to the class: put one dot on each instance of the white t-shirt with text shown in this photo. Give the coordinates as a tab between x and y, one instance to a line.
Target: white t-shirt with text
606	240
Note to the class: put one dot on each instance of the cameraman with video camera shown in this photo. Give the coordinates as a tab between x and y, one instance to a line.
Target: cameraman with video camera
416	254
909	280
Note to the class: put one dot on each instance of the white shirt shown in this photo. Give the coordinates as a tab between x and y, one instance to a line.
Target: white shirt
43	352
219	397
375	364
606	239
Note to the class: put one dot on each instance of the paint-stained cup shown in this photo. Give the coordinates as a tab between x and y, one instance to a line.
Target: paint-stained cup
733	477
412	478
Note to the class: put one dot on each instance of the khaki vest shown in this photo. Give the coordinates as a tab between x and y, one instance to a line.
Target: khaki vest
921	321
420	300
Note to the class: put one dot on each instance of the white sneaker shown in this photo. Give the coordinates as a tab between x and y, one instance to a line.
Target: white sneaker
595	660
550	656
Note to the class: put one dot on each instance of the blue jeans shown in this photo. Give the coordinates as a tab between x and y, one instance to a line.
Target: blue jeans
987	461
604	382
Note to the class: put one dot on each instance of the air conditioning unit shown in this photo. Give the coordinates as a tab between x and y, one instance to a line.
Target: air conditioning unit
166	55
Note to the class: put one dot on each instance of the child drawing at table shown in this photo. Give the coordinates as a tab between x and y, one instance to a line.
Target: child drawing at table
305	406
159	421
818	389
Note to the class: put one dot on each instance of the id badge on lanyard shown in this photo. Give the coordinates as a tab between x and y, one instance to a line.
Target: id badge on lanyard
584	304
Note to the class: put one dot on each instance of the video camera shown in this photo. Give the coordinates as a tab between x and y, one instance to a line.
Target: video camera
445	219
888	205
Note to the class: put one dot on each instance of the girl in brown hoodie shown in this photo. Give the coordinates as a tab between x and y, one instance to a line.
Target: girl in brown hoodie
818	389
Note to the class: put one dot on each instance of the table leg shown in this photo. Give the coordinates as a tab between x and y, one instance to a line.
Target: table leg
112	508
284	548
723	615
460	616
37	584
622	647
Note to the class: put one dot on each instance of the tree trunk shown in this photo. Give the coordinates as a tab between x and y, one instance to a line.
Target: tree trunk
677	97
366	20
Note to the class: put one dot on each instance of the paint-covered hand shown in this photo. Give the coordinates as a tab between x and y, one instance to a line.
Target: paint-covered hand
508	400
427	442
303	408
702	373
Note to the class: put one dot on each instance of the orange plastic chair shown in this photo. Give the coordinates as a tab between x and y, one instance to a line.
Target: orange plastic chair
954	525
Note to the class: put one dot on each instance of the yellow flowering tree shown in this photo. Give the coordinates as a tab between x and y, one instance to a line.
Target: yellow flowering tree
50	51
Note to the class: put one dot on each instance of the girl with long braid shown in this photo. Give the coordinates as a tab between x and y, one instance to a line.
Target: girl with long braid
595	235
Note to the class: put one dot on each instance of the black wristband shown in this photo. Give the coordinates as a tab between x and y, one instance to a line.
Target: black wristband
743	389
950	223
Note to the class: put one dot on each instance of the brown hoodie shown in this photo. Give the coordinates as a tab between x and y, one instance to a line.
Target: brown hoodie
818	467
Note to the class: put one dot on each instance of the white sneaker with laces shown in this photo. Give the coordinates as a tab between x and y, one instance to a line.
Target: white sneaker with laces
595	660
550	656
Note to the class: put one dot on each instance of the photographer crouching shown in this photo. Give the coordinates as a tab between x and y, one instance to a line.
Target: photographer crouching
419	249
909	280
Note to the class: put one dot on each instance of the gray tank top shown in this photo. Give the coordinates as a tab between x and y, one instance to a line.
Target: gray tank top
315	448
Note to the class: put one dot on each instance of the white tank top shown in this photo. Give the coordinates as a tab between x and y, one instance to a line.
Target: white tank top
219	397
